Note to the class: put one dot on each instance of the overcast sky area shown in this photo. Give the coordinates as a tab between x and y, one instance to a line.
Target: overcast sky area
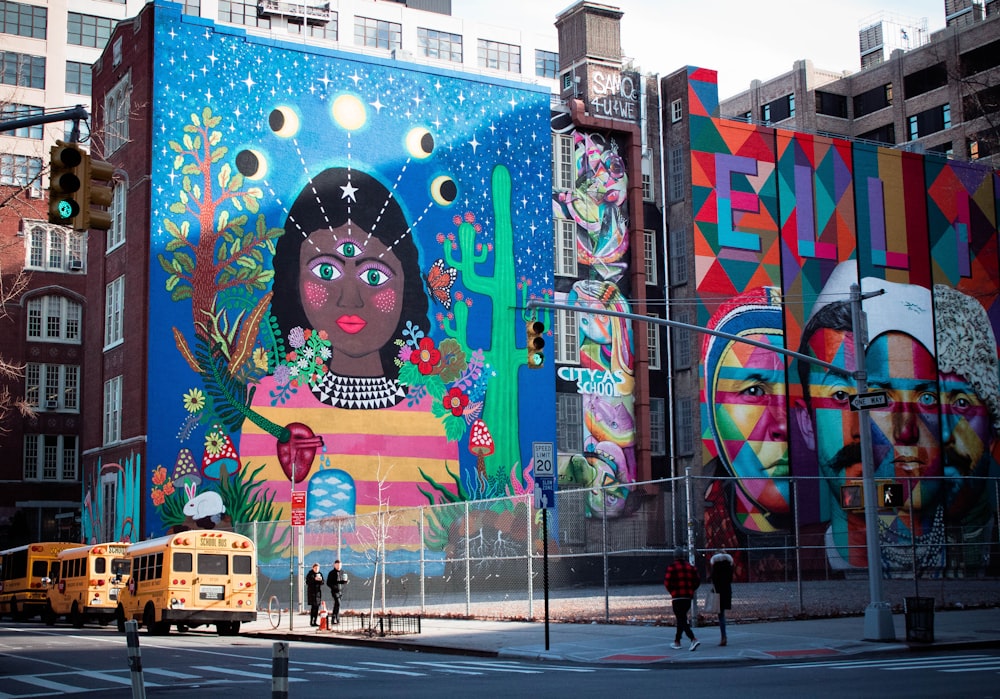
742	40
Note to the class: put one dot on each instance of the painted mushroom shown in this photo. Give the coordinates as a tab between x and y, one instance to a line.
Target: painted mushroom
222	460
480	444
185	470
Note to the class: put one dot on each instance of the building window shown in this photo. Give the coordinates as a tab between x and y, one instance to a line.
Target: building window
50	457
192	8
929	121
676	111
779	109
682	340
678	259
116	234
113	410
649	255
244	13
872	100
546	64
21	171
569	423
117	105
684	432
19	111
79	79
82	136
567	334
746	116
88	30
675	173
441	45
54	319
883	134
563	162
114	301
377	33
647	186
22	70
566	248
329	31
54	249
831	105
23	20
653	343
499	56
657	427
52	386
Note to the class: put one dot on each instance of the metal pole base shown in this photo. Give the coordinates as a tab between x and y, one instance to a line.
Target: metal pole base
878	623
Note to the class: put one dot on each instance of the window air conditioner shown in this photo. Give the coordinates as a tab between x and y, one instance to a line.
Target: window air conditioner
51	405
75	265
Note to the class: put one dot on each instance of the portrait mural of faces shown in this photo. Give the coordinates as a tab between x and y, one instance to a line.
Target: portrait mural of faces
344	249
594	205
792	223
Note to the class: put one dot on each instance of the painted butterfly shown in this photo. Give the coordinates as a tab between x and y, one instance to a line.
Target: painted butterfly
439	282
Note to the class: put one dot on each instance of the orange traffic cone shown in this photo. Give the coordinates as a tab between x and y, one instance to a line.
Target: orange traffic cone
322	616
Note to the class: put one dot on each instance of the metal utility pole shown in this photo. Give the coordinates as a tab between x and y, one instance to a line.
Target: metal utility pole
77	114
878	614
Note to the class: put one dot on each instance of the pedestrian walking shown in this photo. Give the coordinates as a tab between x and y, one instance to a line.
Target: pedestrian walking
681	581
722	585
314	593
335	580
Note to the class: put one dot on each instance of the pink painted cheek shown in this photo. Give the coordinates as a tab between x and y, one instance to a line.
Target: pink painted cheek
315	295
385	301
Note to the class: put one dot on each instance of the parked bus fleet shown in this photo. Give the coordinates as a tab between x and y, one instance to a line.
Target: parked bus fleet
194	578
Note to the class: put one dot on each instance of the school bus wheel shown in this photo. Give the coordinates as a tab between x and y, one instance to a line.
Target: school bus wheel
49	615
120	618
76	617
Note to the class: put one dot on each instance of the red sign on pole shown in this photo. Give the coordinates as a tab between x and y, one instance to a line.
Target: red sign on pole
298	509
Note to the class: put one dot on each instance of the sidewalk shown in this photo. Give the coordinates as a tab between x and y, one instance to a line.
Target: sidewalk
643	644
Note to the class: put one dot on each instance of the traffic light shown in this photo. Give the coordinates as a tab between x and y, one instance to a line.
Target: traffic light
98	194
890	495
67	176
536	342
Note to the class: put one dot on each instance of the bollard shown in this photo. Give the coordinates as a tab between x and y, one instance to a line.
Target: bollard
279	670
135	659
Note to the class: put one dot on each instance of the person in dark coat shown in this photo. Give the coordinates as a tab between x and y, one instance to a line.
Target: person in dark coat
314	593
722	584
681	581
335	580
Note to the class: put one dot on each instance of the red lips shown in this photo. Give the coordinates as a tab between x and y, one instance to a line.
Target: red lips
351	324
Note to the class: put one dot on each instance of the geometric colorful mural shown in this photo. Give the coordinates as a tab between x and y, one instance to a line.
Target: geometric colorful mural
343	248
785	225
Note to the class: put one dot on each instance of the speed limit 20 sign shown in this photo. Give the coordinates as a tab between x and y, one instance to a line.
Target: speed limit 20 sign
542	456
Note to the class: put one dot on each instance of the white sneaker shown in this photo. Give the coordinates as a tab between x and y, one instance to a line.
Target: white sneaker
695	644
675	646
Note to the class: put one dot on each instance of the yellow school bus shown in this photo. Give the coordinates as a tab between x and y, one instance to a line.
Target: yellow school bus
22	592
85	584
191	579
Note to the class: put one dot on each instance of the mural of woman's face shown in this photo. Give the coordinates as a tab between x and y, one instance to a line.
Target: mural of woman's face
752	420
351	286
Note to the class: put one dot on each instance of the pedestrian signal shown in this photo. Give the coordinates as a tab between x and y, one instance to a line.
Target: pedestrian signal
536	329
98	194
890	495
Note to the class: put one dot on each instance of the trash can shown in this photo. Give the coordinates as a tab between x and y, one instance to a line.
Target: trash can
919	613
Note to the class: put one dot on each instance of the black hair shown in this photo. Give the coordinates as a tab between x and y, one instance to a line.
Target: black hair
322	205
835	316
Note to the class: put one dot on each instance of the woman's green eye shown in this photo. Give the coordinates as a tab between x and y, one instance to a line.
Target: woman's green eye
326	271
374	277
348	249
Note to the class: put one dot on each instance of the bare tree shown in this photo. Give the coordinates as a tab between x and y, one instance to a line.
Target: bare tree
378	525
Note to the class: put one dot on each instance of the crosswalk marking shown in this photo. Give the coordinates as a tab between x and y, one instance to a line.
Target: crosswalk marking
391	668
241	673
951	663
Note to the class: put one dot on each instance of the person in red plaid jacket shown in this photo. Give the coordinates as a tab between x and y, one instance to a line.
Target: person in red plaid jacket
681	581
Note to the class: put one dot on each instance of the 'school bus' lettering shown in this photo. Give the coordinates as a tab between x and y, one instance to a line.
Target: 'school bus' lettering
191	579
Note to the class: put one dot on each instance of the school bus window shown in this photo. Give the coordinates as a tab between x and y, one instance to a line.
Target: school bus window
119	566
38	569
213	564
242	565
100	565
183	562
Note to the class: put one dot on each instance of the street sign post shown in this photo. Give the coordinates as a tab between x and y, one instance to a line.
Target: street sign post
867	401
299	508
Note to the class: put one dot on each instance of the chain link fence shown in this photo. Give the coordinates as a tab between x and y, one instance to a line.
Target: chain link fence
487	558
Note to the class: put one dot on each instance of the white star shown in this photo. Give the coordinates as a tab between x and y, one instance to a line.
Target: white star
355	78
249	82
377	104
461	98
349	190
417	100
474	143
325	80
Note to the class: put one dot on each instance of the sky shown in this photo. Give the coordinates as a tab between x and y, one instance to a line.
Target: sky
742	40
